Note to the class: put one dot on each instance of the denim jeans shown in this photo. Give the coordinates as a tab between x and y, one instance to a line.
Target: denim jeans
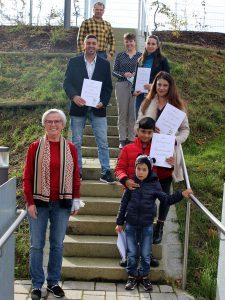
139	245
99	126
58	218
102	54
138	101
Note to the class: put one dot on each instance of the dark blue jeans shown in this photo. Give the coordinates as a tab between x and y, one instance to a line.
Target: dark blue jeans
58	218
139	245
138	101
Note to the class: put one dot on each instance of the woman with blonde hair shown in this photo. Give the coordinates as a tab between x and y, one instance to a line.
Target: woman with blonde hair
164	91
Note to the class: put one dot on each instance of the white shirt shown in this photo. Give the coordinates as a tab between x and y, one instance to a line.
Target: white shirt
90	66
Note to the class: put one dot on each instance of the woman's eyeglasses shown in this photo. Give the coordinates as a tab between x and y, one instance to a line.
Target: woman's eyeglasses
51	122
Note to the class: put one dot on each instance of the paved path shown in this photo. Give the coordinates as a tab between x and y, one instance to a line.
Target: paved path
78	290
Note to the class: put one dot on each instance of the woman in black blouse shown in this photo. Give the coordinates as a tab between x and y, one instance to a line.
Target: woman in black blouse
124	70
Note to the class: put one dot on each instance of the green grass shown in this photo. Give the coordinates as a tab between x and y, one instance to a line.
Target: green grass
200	77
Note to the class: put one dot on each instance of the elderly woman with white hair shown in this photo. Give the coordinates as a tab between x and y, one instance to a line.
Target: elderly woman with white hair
51	184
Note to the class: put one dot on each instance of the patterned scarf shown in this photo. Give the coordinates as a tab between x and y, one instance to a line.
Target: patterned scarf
42	171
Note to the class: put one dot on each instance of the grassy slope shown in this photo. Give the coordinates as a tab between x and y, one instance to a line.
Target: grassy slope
200	76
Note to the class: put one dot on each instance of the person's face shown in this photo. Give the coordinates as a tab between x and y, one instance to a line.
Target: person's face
145	135
162	87
98	11
90	46
129	44
53	125
151	45
141	171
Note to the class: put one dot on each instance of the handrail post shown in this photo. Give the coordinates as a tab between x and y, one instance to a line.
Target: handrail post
220	288
187	224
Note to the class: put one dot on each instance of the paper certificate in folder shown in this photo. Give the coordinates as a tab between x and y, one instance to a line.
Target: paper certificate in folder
122	244
91	91
170	119
143	76
162	147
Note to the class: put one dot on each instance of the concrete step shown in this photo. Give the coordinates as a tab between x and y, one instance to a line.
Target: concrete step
92	168
89	140
100	206
97	246
99	269
93	188
112	110
112	130
91	225
93	152
112	120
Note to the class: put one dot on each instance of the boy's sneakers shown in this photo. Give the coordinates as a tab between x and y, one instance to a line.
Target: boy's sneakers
131	283
107	178
36	294
56	290
145	282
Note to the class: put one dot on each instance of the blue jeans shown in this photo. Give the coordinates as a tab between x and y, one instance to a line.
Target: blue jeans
102	54
139	245
138	101
58	218
99	127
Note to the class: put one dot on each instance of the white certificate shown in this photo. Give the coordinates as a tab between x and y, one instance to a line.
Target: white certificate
162	147
122	244
91	91
170	119
143	76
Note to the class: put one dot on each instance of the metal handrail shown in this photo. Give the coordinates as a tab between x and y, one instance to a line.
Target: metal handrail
13	227
211	217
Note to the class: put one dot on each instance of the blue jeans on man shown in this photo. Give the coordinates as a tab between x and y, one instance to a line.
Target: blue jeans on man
99	127
58	218
139	245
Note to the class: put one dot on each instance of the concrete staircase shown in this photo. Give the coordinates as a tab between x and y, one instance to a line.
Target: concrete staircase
90	251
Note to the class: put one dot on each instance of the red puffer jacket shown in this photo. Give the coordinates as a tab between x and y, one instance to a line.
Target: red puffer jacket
125	167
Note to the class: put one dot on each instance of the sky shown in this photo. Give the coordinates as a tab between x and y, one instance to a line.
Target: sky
210	17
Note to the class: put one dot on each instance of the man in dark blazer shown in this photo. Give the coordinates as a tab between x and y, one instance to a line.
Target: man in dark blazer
89	66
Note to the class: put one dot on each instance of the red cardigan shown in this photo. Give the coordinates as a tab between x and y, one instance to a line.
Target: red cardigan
125	167
28	175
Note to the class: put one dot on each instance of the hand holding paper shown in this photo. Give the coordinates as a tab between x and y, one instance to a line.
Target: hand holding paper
162	147
91	91
143	76
170	119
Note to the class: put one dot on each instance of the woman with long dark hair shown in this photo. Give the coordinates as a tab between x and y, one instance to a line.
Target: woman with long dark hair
151	58
164	91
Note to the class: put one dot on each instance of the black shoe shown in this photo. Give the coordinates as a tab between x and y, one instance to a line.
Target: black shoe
131	283
107	178
158	232
36	294
145	282
154	263
123	263
56	290
122	144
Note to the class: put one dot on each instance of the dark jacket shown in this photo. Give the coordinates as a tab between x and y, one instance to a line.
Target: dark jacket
138	206
73	82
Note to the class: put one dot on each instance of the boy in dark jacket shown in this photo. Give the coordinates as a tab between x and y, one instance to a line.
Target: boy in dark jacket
137	209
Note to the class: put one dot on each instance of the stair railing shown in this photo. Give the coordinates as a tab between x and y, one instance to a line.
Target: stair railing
210	216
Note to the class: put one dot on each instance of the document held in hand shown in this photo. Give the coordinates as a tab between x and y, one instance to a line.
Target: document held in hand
162	147
143	76
122	244
91	91
170	119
